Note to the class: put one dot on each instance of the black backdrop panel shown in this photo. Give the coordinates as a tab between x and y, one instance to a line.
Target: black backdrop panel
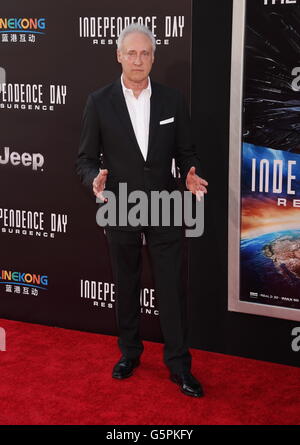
71	52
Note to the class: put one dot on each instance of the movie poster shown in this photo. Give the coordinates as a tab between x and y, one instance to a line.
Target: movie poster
264	209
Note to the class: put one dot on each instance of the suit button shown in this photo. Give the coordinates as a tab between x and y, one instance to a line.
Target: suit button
147	169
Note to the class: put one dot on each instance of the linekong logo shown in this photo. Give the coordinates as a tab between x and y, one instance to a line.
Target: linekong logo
34	26
24	278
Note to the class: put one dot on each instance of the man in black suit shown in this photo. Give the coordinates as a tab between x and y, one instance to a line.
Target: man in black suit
132	129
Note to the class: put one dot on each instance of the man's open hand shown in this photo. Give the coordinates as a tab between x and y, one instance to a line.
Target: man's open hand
195	184
99	185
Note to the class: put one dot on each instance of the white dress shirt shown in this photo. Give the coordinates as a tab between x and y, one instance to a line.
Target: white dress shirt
139	111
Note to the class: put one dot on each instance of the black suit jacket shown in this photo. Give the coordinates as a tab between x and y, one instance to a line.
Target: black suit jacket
108	141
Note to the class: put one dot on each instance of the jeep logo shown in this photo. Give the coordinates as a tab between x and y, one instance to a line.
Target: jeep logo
34	160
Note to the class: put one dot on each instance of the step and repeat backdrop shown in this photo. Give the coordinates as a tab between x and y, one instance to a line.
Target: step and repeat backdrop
264	231
55	267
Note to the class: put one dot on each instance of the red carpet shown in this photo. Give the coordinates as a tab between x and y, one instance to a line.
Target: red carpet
52	376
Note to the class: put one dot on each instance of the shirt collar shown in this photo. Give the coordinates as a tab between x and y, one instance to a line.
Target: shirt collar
128	90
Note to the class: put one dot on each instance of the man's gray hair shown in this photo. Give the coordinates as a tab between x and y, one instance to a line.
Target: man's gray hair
136	27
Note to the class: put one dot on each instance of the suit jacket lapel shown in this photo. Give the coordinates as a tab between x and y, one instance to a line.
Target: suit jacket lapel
155	112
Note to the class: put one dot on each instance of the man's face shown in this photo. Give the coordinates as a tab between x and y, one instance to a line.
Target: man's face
136	56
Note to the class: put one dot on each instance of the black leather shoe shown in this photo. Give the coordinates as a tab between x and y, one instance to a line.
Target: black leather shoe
124	368
189	385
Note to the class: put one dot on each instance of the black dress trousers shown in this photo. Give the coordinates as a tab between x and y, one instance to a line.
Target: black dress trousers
166	248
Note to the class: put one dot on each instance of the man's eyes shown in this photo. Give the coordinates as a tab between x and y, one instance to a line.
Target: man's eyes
144	53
